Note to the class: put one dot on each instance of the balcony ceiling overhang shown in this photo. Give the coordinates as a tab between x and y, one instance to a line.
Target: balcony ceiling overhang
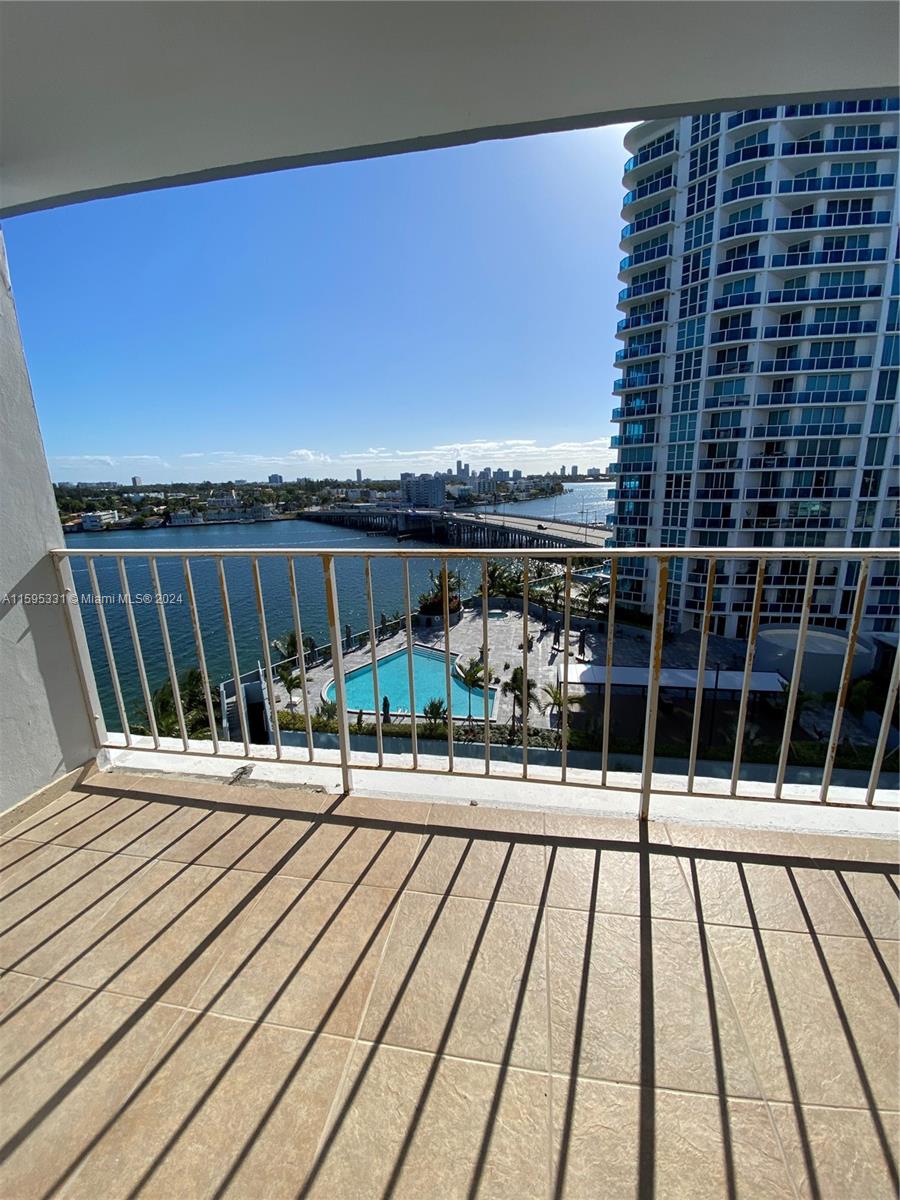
106	98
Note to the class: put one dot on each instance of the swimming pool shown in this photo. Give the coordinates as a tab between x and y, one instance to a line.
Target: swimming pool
393	682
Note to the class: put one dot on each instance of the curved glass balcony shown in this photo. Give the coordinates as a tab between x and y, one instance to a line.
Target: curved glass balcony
644	289
737	228
730	368
834	220
731	266
818	329
848	362
761	188
837	183
737	300
746	333
835	429
853	396
847	291
748	153
829	108
750	116
644	223
651	188
651	153
645	256
817	258
642	320
839	145
630	412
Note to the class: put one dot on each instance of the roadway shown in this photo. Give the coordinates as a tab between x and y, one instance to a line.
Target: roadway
575	534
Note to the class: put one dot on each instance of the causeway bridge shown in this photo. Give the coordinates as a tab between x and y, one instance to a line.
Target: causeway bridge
463	528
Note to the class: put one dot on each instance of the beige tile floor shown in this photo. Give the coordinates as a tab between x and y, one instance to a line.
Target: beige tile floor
211	991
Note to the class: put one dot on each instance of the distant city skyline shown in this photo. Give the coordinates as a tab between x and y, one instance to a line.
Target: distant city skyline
391	314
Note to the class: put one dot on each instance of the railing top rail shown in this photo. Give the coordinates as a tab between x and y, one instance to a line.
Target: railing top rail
824	553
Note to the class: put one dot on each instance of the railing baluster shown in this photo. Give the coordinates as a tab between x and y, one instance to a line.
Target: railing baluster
301	657
445	579
337	661
607	686
167	650
138	653
701	671
410	666
525	582
748	671
795	676
81	651
107	646
235	667
564	723
844	686
655	666
376	695
887	720
201	657
485	672
267	657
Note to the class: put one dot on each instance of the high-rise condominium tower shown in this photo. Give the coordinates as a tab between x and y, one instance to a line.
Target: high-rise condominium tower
760	358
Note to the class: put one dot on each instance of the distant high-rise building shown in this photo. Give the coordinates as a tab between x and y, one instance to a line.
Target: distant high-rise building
459	468
424	491
573	471
358	475
136	481
275	480
761	355
562	469
517	474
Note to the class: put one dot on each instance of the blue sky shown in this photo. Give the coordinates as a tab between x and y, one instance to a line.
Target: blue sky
393	314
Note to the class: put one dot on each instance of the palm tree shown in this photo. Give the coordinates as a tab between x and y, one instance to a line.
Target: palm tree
286	674
554	694
472	676
591	595
555	590
193	704
435	713
286	644
497	573
523	692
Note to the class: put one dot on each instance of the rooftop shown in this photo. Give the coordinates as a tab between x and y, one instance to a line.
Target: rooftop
216	989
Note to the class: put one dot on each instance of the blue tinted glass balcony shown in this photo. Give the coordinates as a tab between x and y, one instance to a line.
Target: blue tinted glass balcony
834	220
817	258
819	329
752	262
760	188
714	523
839	145
649	153
837	183
645	351
644	223
643	256
738	300
647	288
637	381
737	228
798	493
720	402
667	183
848	362
826	108
747	153
641	320
723	435
632	468
632	412
847	291
746	333
835	429
720	464
718	494
646	438
751	115
730	368
852	396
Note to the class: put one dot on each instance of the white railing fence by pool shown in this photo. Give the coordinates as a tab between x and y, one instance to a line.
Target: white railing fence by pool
766	568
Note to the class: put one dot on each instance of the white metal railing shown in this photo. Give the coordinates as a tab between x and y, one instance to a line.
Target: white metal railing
568	562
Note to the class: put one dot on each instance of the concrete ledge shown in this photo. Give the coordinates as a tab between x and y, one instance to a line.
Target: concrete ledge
46	795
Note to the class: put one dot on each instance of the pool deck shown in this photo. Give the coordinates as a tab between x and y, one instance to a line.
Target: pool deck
631	648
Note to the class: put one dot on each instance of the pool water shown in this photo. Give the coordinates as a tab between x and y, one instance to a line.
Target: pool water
393	682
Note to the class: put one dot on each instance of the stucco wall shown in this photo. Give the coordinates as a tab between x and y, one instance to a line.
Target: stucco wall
45	728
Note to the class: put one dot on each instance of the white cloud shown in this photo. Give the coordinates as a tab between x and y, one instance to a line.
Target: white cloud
380	461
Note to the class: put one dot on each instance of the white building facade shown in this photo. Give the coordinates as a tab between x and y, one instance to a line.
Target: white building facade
761	354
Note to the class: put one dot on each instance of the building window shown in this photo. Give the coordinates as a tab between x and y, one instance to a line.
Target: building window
704	126
693	300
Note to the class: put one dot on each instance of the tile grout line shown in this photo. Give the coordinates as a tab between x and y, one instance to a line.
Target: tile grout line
331	1115
744	1040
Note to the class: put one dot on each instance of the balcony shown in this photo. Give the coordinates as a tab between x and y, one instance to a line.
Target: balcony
647	288
798	493
737	300
740	333
773	333
752	116
642	224
651	153
742	228
823	108
838	145
633	412
752	262
846	362
642	320
647	350
722	435
854	396
820	258
750	153
857	291
630	382
834	429
838	183
639	257
720	402
706	493
653	187
720	464
834	220
745	190
648	438
729	368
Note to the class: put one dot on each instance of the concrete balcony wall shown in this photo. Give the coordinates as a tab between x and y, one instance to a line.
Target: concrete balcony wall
45	728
